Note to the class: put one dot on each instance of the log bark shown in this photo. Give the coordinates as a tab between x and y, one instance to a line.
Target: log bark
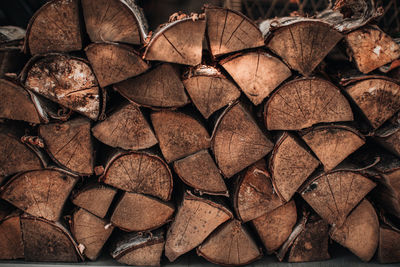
11	245
389	240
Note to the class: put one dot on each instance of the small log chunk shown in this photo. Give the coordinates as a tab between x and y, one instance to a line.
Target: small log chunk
41	193
304	102
179	135
290	164
11	245
200	172
11	36
229	31
12	59
360	231
195	220
125	128
91	232
237	140
136	212
389	240
242	248
257	73
209	89
158	88
55	27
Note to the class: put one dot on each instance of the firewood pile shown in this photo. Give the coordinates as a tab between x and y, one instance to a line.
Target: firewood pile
211	134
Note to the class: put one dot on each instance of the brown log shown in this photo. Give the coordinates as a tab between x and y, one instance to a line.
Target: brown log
360	231
55	27
200	172
257	73
389	135
90	232
229	31
158	88
230	245
209	89
179	135
113	63
290	164
237	140
196	219
12	59
126	128
11	245
304	102
389	240
136	212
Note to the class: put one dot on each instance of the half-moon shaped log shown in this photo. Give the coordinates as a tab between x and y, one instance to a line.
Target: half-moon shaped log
11	245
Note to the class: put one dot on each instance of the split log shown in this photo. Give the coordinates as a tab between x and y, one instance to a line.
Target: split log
158	88
200	172
41	193
290	164
179	135
90	232
126	128
136	212
196	219
242	248
389	240
209	89
114	21
12	59
55	27
360	231
11	245
304	102
122	62
237	140
229	31
256	73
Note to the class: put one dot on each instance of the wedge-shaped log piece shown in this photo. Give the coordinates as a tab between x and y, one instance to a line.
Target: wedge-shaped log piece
136	212
230	245
257	73
360	231
290	164
41	193
114	21
333	195
139	172
195	220
11	245
125	128
66	80
304	45
275	227
304	102
160	87
139	249
238	141
210	90
91	232
48	241
123	62
389	240
378	99
55	27
229	31
332	144
200	172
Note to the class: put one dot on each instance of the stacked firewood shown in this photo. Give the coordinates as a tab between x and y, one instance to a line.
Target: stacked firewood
210	133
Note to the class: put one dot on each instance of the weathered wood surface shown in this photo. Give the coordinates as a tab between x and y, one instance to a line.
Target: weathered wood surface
11	244
389	240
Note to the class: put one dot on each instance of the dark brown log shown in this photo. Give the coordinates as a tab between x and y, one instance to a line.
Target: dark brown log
237	140
136	212
41	193
125	128
113	63
257	73
209	89
229	31
55	27
90	232
200	172
230	245
195	220
389	135
158	88
290	164
12	59
360	231
11	245
304	102
179	135
389	240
